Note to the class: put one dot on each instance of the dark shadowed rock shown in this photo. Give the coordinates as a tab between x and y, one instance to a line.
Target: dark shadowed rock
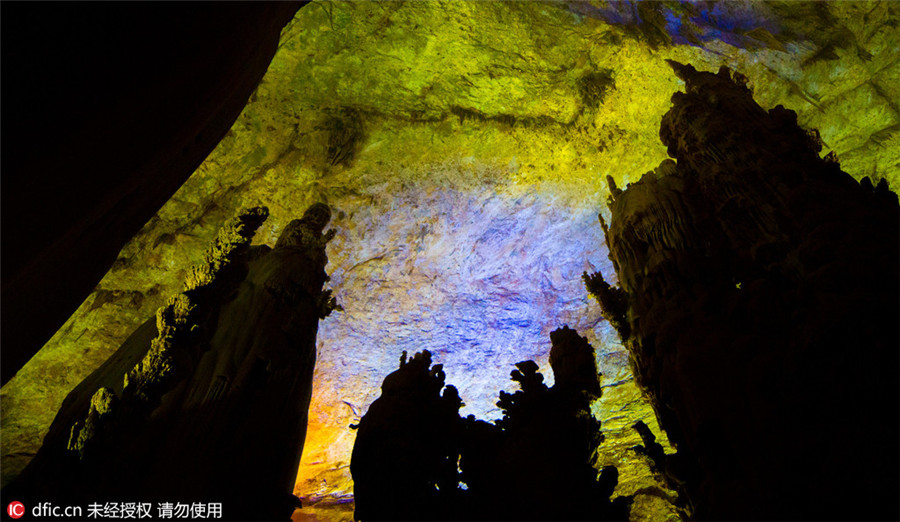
210	404
762	343
108	109
414	458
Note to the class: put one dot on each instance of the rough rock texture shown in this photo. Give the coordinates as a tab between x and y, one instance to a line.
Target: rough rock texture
108	109
754	273
216	405
464	147
416	459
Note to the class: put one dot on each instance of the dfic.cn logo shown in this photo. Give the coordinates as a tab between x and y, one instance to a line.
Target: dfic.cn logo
15	509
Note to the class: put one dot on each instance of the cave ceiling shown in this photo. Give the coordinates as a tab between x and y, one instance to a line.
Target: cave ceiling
464	148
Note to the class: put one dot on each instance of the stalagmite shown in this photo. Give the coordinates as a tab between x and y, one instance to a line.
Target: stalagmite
208	401
771	358
416	459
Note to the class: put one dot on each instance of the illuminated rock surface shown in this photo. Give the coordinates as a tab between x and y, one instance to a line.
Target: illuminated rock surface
464	148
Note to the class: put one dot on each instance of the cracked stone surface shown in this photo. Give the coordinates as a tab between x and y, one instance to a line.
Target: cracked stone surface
464	147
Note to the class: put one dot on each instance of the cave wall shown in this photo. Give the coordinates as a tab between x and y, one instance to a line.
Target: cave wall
464	148
107	110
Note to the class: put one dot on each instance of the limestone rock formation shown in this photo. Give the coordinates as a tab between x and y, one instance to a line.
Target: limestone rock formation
404	462
463	148
545	442
209	401
416	459
761	290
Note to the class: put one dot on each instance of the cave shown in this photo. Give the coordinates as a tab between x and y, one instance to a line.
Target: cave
694	200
